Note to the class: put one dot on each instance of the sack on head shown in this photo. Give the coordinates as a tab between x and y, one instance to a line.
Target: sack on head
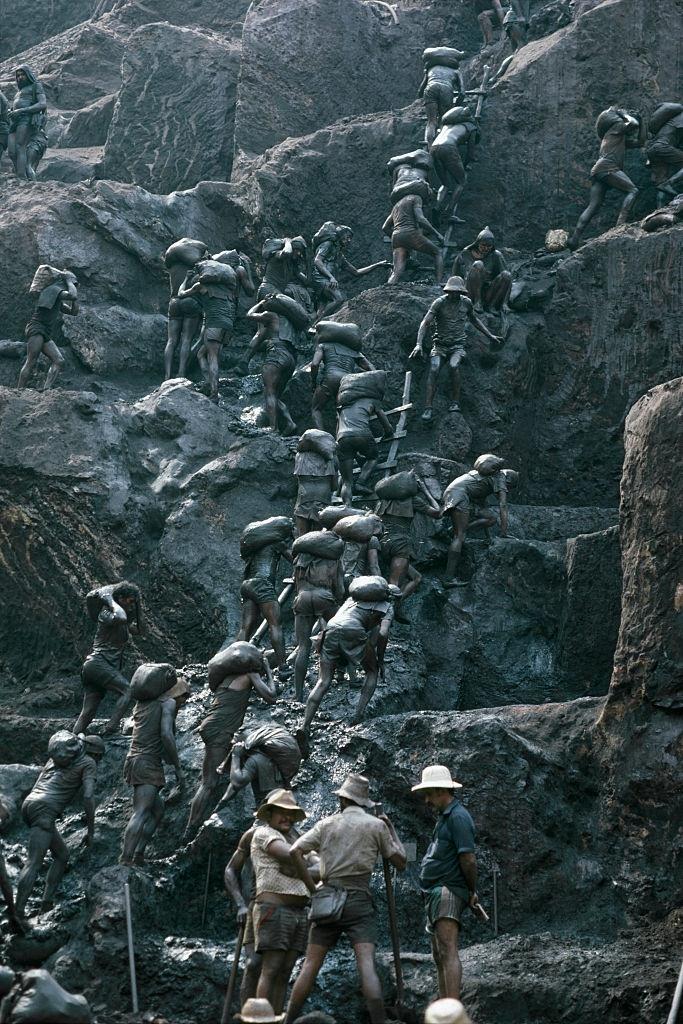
370	589
488	464
285	305
320	544
400	485
151	680
358	529
442	56
277	744
213	272
419	158
236	660
187	251
342	334
354	386
331	514
255	536
318	441
457	115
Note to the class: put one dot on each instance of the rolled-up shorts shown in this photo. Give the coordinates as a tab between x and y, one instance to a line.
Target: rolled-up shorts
34	327
97	674
350	445
280	928
448	353
258	589
309	510
187	306
441	902
345	644
143	770
315	602
397	545
38	814
358	921
280	356
440	94
412	238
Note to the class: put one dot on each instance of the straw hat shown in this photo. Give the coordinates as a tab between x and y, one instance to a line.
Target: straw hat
284	800
455	284
446	1011
436	776
356	788
259	1011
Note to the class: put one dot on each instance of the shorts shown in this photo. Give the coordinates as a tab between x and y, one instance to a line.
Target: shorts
664	153
350	445
397	546
281	356
358	921
344	644
38	814
441	902
187	306
316	603
604	167
34	327
326	391
440	94
143	770
258	589
412	238
460	501
448	164
97	674
249	933
448	353
310	510
280	927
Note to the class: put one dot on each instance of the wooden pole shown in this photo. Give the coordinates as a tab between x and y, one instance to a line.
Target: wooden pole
131	951
225	1016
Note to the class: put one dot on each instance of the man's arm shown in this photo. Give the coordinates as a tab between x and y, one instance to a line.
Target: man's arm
479	324
388	225
259	339
384	421
503	507
338	588
362	271
364	363
232	873
468	866
41	103
316	363
168	744
392	847
423	222
423	85
264	687
427	321
246	278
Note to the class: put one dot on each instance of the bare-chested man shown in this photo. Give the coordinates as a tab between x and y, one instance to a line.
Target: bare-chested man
57	294
337	353
27	140
184	313
359	400
464	502
408	228
319	580
331	243
618	131
447	319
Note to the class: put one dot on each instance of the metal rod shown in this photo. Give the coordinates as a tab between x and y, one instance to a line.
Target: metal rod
225	1016
677	999
495	899
131	952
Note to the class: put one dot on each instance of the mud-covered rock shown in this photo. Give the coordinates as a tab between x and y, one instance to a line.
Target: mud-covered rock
23	27
172	124
89	125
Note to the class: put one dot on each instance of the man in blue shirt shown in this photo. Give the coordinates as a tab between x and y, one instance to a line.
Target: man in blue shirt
448	874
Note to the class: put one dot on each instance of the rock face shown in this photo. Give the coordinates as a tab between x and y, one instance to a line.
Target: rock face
172	124
48	18
648	665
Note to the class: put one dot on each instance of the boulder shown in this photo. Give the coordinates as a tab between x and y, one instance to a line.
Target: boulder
71	165
172	124
89	126
111	339
290	86
22	27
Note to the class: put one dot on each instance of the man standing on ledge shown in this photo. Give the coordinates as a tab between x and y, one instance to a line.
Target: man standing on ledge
448	874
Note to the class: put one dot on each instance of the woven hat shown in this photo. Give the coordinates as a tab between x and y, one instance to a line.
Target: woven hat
436	776
259	1011
357	789
446	1011
284	800
455	284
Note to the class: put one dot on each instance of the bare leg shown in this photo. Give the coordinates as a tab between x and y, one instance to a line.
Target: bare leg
174	329
439	968
365	474
335	299
435	364
272	614
118	713
22	135
302	525
270	375
400	263
91	701
369	686
596	199
144	798
303	986
460	524
252	970
303	624
206	796
320	400
190	326
34	346
251	620
446	941
369	981
60	859
212	344
57	360
149	827
498	291
276	968
346	473
279	989
432	112
39	842
318	692
486	26
454	372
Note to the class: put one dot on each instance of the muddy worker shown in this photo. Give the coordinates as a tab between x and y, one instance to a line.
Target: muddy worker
234	674
331	243
486	276
263	545
338	353
280	318
56	292
71	767
359	402
27	140
4	123
13	923
448	874
184	313
409	228
319	584
241	887
349	844
267	757
441	86
160	695
315	469
116	608
486	10
464	498
282	897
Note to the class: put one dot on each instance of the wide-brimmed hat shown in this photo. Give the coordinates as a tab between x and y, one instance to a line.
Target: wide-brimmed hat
357	789
446	1011
436	776
284	800
259	1011
455	284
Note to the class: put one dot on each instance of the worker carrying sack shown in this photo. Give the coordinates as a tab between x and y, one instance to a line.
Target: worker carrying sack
358	529
442	56
320	544
187	251
277	744
319	442
342	334
355	386
397	487
238	659
255	536
151	680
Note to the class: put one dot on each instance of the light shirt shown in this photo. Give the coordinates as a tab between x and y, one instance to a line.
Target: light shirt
269	877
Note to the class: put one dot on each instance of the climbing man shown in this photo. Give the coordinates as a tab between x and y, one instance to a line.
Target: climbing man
349	844
319	583
234	674
57	294
263	545
160	695
447	320
184	313
215	286
409	228
448	874
483	269
618	130
315	469
275	336
359	401
27	140
13	922
72	766
458	128
4	123
116	608
442	85
331	243
267	757
665	149
338	353
463	501
486	11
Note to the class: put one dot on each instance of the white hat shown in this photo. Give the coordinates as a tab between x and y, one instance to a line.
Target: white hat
446	1011
436	776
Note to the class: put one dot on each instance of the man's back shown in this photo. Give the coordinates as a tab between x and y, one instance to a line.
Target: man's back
58	786
349	844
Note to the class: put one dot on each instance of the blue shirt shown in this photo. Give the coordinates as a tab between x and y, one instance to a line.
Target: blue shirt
453	835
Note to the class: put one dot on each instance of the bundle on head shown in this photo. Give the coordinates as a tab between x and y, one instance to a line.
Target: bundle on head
400	485
255	536
354	386
369	589
664	113
358	529
326	233
456	115
151	680
213	272
318	441
442	56
46	275
343	334
187	251
331	514
63	746
416	158
320	544
415	187
236	660
285	305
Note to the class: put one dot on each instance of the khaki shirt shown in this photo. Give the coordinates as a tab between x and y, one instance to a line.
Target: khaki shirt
269	877
349	844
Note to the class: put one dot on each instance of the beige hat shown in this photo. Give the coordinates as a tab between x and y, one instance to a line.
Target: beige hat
259	1011
356	788
455	284
436	776
284	800
446	1011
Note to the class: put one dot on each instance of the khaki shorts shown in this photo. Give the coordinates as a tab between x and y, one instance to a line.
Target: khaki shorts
358	921
280	927
440	903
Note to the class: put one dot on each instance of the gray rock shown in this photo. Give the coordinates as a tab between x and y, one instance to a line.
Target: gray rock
45	19
110	339
71	165
172	124
90	124
16	781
